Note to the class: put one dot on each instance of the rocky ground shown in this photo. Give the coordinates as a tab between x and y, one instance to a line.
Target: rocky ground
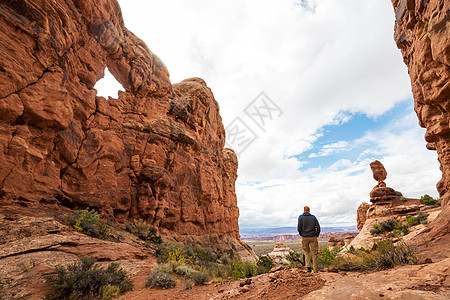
427	281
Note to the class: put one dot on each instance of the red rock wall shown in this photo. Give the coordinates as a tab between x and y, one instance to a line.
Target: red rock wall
422	33
155	153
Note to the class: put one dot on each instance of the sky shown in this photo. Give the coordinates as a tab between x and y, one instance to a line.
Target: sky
310	92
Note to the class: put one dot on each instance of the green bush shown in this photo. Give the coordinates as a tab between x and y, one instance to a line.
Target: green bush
239	269
420	218
410	220
428	200
295	259
264	261
88	222
327	256
161	280
84	280
389	225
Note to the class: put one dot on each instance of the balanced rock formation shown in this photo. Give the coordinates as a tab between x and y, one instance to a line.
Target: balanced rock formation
156	153
381	194
422	33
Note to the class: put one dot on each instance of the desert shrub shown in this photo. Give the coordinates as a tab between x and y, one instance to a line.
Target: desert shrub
351	250
327	256
239	269
84	280
264	263
384	254
224	259
171	251
145	231
188	284
410	220
249	269
168	267
295	259
177	255
199	277
184	271
386	226
139	227
358	261
399	229
88	222
420	218
205	255
109	291
161	280
428	200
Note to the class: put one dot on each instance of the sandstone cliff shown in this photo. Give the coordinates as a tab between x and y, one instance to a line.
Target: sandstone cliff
156	153
422	33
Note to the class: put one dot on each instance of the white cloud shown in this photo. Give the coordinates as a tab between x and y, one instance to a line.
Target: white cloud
333	148
321	61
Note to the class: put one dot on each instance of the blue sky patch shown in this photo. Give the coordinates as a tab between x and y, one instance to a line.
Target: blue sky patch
338	142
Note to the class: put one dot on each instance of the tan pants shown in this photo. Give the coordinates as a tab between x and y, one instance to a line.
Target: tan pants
310	244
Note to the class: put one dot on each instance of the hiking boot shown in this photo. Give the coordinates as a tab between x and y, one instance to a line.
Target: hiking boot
309	270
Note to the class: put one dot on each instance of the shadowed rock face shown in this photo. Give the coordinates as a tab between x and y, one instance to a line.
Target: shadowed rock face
155	153
422	33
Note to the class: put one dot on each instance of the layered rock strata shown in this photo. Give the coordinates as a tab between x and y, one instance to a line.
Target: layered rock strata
422	33
156	153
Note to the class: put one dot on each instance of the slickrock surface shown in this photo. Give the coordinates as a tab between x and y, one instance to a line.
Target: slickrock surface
422	33
31	247
429	281
156	153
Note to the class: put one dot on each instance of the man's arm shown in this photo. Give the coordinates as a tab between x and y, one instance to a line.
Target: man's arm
299	226
317	227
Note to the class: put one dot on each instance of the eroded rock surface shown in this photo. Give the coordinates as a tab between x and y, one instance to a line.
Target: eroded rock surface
156	153
361	215
429	281
31	247
422	33
279	253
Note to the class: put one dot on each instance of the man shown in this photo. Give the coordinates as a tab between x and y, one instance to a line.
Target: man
309	229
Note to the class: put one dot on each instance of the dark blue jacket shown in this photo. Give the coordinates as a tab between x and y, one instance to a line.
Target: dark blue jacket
308	226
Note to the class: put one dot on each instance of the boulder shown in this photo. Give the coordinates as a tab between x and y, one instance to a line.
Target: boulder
279	253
